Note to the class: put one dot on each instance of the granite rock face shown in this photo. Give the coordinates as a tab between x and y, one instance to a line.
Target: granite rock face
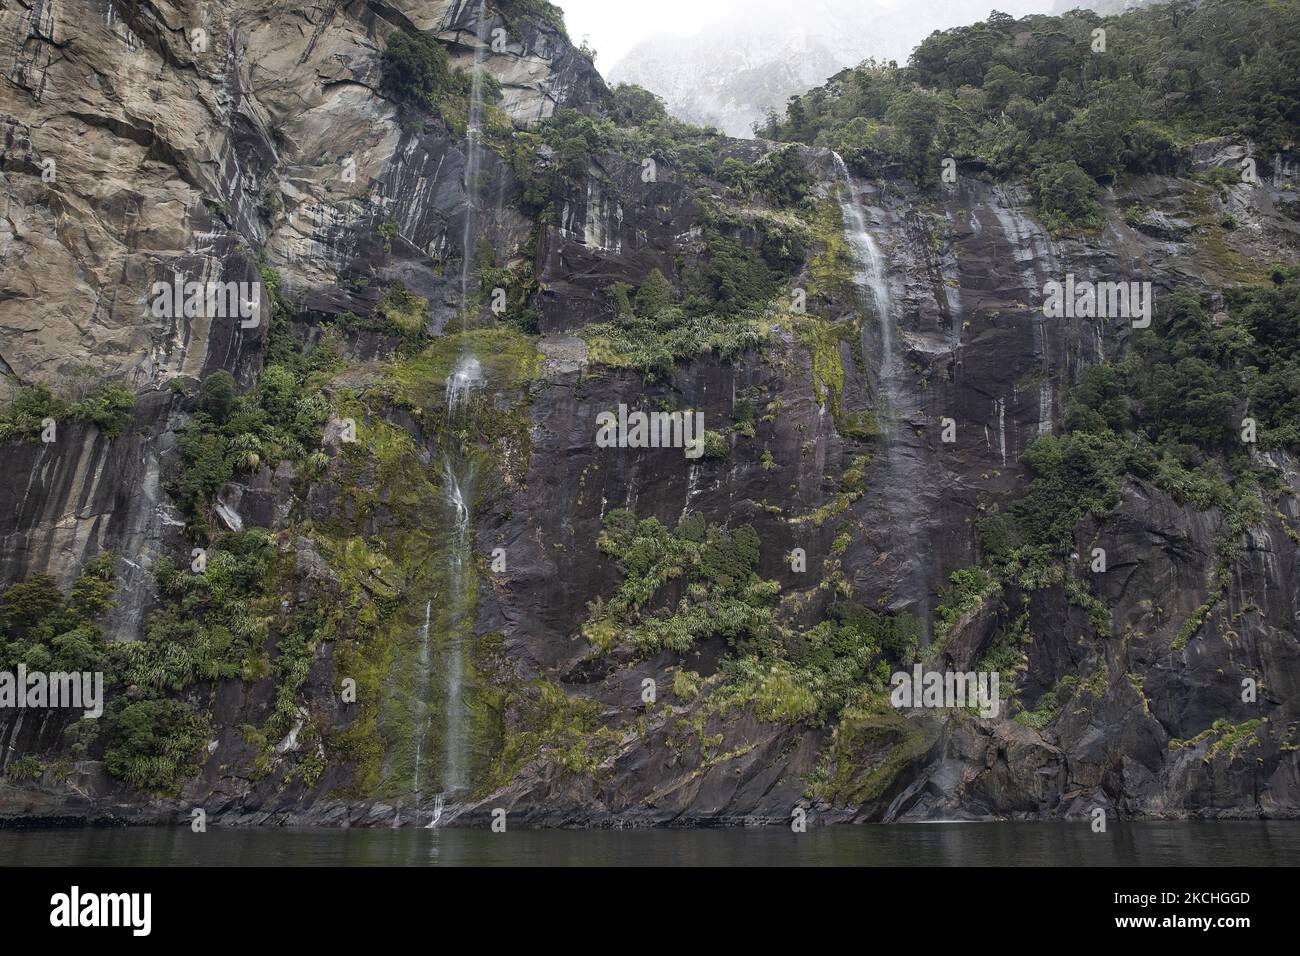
215	163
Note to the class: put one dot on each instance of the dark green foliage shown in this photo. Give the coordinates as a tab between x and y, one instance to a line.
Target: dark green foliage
1022	97
807	675
1169	412
154	744
634	126
914	116
734	277
1071	476
654	295
725	596
415	70
633	105
24	769
967	589
217	395
1189	382
850	655
1066	195
782	178
282	418
542	9
210	625
654	346
50	631
109	406
656	334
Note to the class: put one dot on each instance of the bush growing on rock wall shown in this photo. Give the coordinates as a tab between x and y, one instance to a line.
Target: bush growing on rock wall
46	629
1067	197
791	674
25	769
783	178
415	70
1167	412
218	395
155	744
541	9
109	407
282	418
654	295
211	625
733	278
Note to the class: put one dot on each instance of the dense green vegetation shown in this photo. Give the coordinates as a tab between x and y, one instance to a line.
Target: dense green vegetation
790	674
47	630
282	418
108	406
417	75
1030	97
1169	411
152	743
211	624
155	744
654	334
724	594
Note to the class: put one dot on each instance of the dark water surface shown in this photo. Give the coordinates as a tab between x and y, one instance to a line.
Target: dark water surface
1237	843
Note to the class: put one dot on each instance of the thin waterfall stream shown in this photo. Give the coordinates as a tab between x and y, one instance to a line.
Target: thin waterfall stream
459	472
904	472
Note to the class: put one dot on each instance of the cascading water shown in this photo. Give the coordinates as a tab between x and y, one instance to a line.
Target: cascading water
458	468
422	721
871	276
464	379
902	525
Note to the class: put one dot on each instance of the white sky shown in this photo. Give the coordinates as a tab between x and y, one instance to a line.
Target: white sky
614	26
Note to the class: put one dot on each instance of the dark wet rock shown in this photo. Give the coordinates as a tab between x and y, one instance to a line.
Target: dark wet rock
966	270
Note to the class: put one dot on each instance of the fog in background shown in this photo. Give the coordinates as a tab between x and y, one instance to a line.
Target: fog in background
724	63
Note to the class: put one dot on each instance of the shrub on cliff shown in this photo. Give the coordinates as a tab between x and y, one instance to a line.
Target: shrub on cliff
155	744
109	407
415	70
48	630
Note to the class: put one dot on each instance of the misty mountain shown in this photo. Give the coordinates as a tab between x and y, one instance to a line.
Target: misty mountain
731	72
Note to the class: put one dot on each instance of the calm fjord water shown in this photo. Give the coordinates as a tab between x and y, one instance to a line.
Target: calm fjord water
1187	843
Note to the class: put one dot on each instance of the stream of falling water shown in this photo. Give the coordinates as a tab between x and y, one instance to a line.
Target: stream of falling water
459	473
871	275
423	721
904	470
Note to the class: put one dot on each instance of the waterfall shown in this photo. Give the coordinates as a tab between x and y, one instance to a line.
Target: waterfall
423	685
459	470
467	376
903	471
458	483
437	813
870	276
473	154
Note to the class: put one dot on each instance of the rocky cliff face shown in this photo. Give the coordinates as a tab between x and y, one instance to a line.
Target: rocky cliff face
264	143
